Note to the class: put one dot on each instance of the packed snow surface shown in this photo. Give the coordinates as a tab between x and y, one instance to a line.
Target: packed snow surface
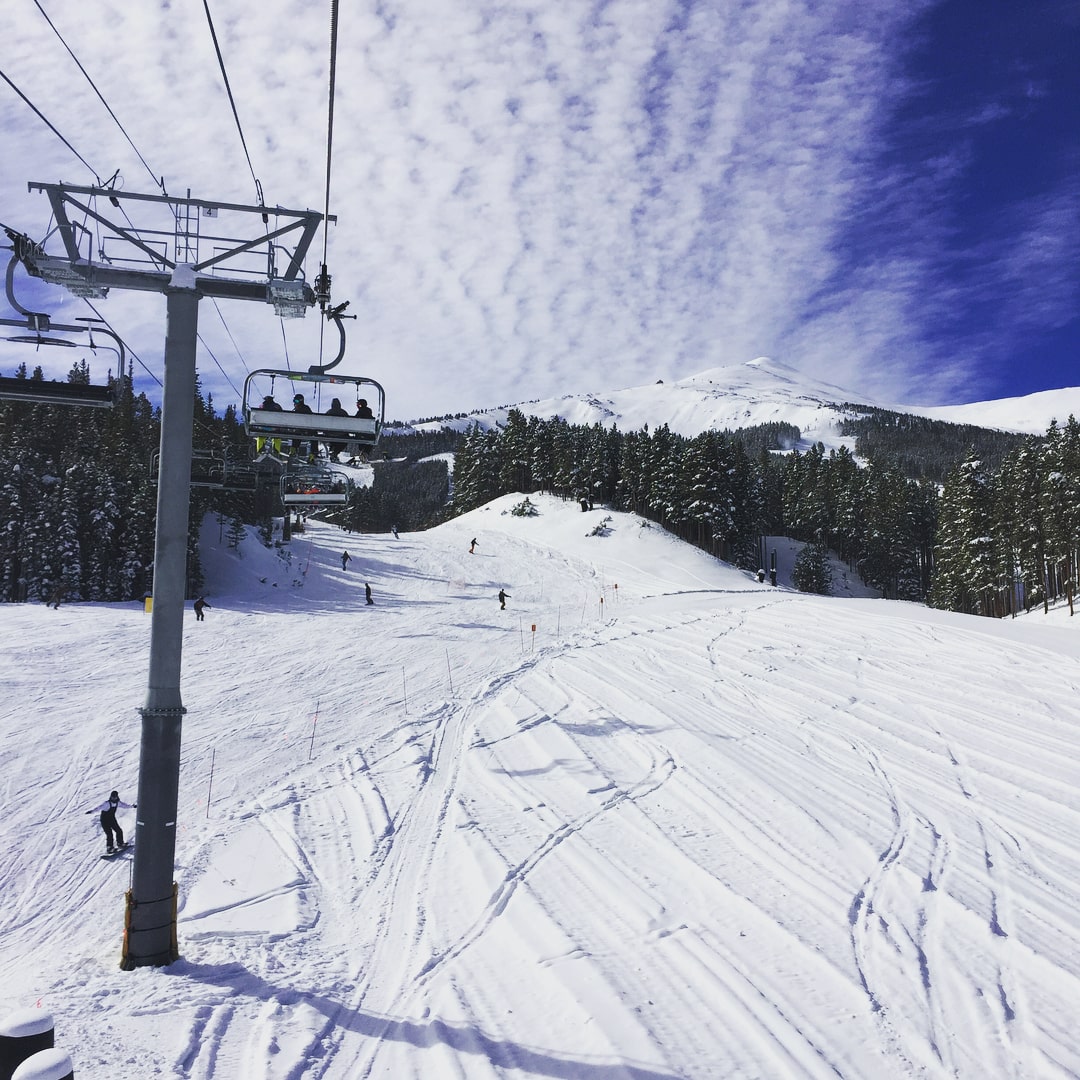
654	820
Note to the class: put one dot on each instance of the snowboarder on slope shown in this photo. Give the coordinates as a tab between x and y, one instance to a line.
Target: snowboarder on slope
109	823
503	597
346	558
367	594
199	605
472	545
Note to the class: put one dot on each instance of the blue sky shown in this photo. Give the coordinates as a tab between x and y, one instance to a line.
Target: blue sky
538	198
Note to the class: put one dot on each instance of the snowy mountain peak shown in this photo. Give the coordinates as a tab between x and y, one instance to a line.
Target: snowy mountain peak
764	390
764	376
727	397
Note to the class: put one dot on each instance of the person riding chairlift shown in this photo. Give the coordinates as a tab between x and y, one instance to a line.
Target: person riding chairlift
337	448
270	405
300	406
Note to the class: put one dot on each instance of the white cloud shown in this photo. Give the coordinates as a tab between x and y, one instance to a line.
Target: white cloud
531	198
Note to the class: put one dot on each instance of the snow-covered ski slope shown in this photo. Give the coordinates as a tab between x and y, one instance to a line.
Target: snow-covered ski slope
705	829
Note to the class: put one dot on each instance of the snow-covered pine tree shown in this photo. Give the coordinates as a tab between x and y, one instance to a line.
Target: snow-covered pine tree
812	572
235	534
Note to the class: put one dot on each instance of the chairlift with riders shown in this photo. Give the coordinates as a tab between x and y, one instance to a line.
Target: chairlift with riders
308	420
314	485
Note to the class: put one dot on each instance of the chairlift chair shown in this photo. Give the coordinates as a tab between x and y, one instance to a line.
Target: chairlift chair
313	485
41	392
316	390
362	402
207	468
42	332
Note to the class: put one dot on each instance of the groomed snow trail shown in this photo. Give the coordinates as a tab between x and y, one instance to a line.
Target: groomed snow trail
706	829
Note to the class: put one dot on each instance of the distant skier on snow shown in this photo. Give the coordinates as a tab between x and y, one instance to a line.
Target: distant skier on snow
367	594
472	546
346	558
199	607
503	597
109	824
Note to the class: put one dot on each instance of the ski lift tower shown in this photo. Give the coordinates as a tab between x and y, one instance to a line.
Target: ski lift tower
187	249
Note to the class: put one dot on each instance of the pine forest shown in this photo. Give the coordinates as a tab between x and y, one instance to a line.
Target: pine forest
960	517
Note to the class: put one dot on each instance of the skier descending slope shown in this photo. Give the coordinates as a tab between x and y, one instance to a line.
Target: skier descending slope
109	823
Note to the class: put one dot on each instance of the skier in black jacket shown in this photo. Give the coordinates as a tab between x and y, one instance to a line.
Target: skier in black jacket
109	823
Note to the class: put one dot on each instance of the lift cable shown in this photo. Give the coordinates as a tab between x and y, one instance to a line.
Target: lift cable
285	345
52	128
330	120
232	100
157	180
130	351
247	370
42	117
322	288
202	342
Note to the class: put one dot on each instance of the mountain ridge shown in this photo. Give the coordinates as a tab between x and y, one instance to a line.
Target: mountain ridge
762	391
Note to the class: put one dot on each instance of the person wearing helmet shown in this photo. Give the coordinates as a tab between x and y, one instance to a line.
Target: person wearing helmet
363	409
109	823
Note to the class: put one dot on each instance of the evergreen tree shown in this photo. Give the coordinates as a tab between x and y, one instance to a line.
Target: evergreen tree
967	564
235	534
1019	511
1060	504
631	485
812	572
514	468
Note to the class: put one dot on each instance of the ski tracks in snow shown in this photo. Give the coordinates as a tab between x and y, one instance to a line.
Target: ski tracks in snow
598	869
886	932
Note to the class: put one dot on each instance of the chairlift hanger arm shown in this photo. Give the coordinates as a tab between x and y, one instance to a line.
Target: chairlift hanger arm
9	285
335	315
